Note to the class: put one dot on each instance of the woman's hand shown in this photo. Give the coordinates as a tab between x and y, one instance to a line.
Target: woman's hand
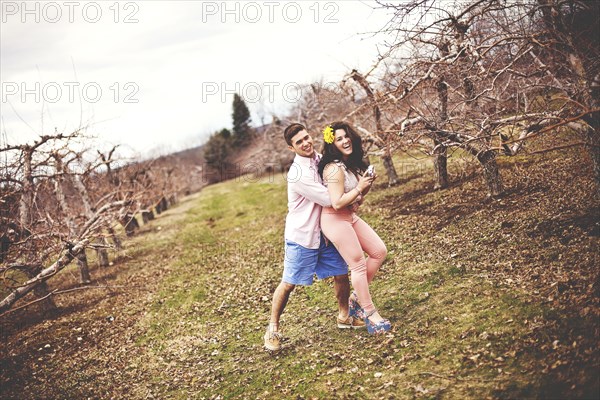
365	191
365	182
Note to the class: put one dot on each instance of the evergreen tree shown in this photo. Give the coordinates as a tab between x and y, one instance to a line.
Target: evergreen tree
241	121
216	155
216	150
225	133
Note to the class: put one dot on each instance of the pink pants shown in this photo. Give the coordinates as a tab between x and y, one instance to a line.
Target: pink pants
353	237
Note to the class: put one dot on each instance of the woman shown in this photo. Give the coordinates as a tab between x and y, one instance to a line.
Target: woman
343	171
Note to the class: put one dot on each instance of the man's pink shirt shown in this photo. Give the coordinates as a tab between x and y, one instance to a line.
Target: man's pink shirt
306	198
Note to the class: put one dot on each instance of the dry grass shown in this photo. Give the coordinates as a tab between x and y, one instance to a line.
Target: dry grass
488	298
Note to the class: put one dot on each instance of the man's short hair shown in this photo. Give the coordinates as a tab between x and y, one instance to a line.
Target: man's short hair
291	131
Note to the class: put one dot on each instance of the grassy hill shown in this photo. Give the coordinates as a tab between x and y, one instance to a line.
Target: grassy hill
488	299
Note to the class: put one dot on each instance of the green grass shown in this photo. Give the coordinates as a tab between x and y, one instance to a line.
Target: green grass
466	321
453	330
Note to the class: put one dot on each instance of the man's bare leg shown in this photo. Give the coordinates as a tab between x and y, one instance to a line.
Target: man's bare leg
341	286
280	299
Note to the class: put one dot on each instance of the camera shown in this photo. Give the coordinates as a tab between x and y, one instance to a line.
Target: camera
370	170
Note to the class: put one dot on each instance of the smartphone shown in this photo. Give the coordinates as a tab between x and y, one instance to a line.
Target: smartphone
370	170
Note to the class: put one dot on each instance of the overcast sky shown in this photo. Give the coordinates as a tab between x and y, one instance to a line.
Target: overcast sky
161	74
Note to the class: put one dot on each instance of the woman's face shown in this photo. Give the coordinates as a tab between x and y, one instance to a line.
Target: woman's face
343	143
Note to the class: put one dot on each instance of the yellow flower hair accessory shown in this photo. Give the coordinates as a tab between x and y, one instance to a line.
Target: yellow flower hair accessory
328	134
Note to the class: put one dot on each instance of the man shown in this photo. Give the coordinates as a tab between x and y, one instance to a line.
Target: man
307	252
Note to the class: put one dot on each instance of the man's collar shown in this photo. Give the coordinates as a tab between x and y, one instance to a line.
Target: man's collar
307	160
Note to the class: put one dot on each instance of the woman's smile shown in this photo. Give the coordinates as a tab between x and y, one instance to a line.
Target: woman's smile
343	142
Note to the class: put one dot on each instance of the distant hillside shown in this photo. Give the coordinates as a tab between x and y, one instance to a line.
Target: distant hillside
191	163
266	152
194	155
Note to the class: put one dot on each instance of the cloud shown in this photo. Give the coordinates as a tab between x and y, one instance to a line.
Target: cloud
153	73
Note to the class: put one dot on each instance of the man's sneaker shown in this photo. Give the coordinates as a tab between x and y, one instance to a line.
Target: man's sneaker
272	340
350	323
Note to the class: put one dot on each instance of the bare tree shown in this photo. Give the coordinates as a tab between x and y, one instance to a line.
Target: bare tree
88	211
112	182
380	138
42	227
57	200
324	102
66	211
572	37
70	251
26	233
472	74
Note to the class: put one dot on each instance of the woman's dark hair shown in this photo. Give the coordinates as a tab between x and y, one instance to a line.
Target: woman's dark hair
355	162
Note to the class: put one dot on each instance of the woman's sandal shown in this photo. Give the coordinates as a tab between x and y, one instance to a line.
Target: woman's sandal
378	327
354	309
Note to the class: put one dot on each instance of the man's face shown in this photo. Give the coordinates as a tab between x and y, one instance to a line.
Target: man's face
302	144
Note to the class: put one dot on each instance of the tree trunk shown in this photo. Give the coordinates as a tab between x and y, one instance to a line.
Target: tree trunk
62	202
25	206
164	204
484	155
594	139
491	172
390	170
440	162
26	200
130	223
115	238
440	151
84	271
102	255
388	163
41	291
146	216
4	246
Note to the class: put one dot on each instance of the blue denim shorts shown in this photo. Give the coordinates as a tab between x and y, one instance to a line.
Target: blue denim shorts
301	264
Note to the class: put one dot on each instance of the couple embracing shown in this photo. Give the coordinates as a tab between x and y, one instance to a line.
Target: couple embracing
323	234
